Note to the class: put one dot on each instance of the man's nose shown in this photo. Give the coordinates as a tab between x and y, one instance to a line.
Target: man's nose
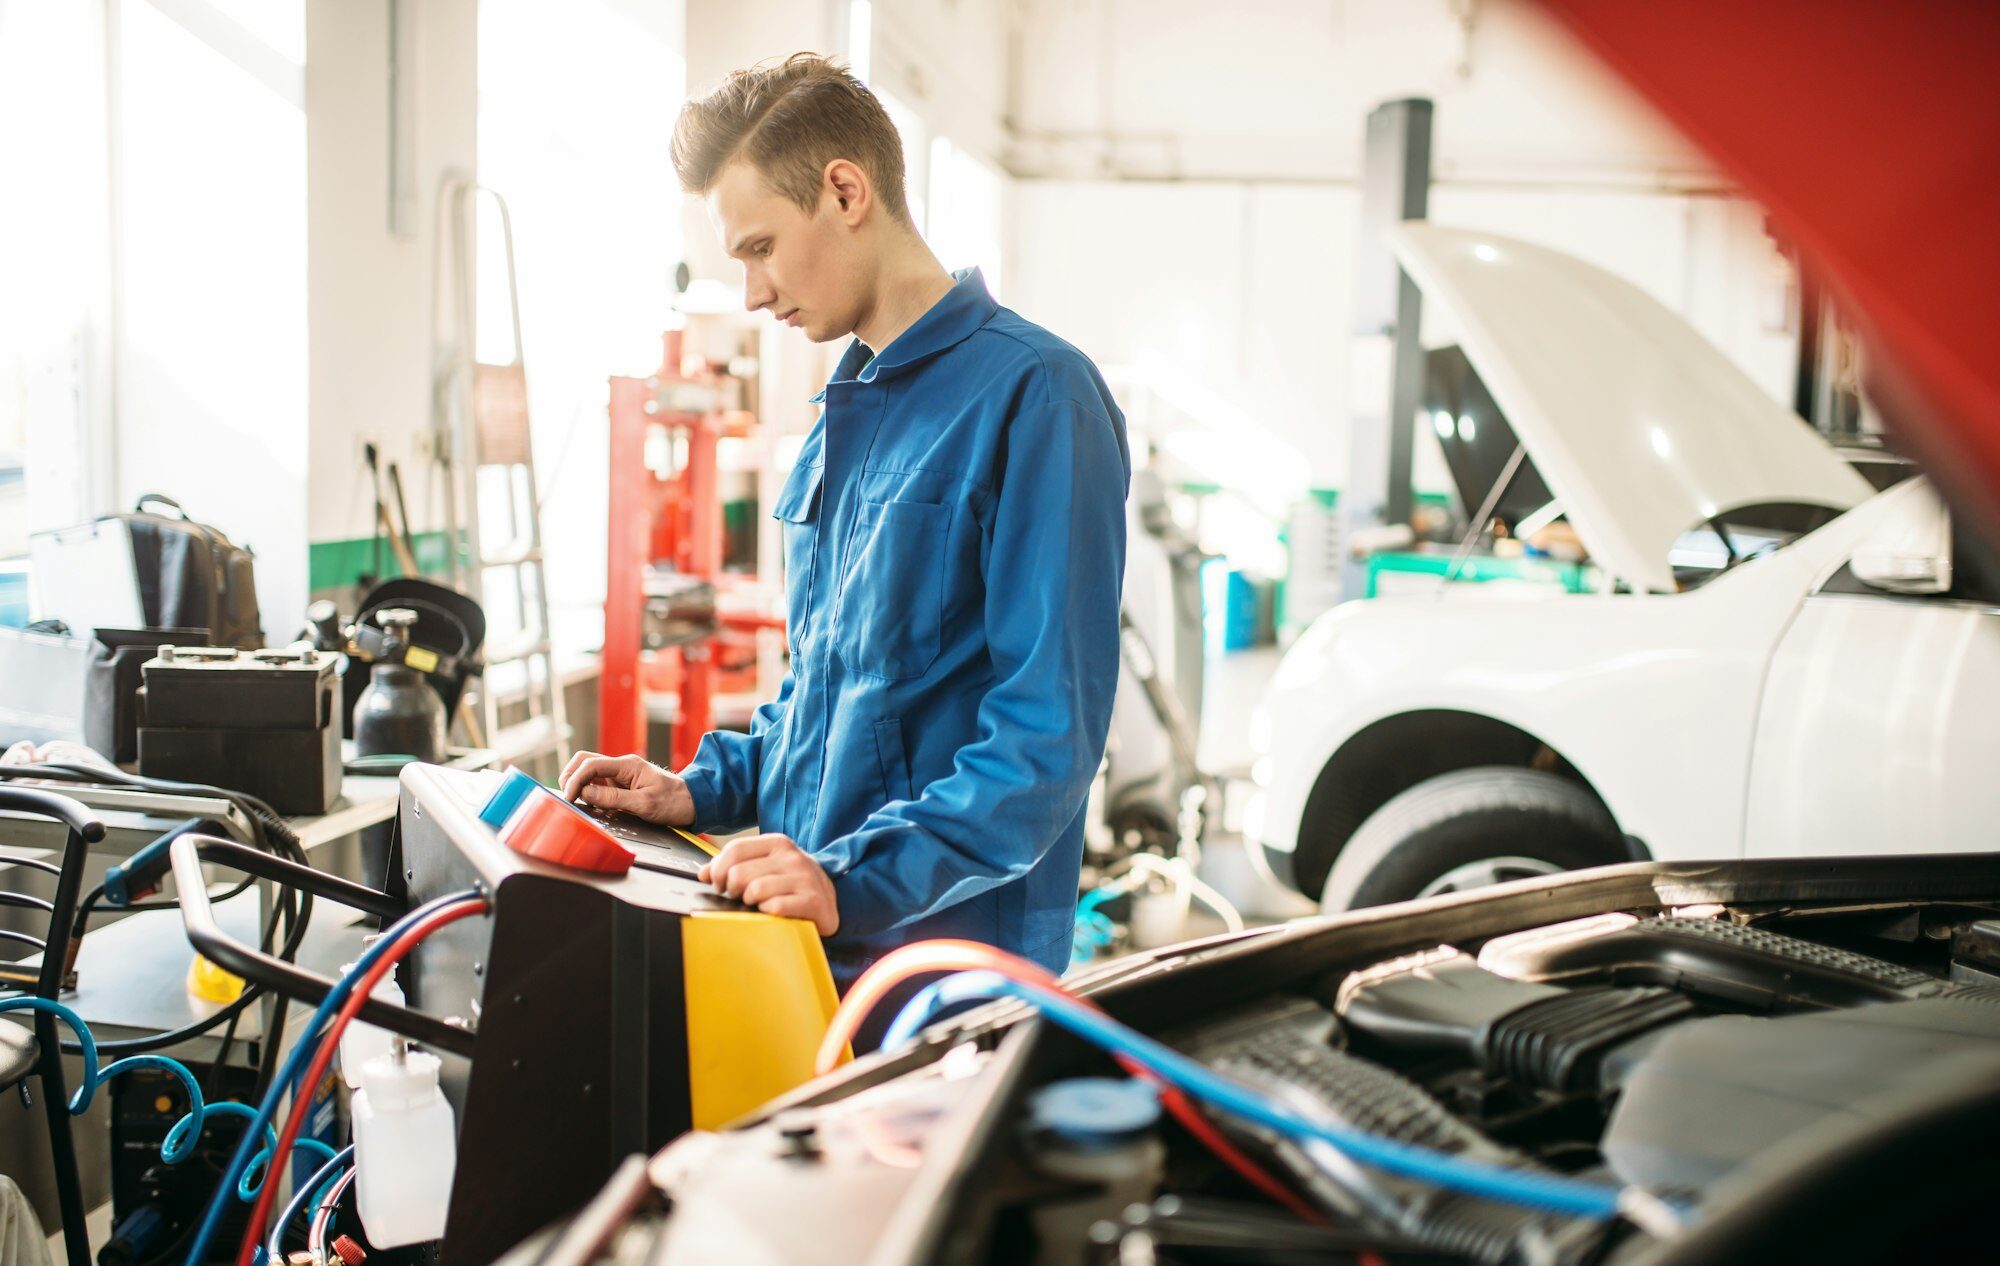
756	294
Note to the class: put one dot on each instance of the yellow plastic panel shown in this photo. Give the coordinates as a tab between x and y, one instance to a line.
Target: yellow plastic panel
759	997
696	840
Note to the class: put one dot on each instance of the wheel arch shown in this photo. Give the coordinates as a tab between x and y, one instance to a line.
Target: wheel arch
1389	756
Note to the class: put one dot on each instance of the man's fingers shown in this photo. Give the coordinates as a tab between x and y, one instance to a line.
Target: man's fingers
570	767
743	874
801	905
737	852
769	887
593	767
582	769
607	797
790	905
753	846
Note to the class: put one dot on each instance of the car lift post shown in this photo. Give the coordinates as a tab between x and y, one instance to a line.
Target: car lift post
1386	365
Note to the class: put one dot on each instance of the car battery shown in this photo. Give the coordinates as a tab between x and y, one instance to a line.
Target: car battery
261	722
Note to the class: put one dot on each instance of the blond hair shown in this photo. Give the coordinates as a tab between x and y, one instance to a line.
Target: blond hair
788	121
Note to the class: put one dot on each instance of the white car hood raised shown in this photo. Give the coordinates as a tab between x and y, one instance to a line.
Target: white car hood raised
1641	427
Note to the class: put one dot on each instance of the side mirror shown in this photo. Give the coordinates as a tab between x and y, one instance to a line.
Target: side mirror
1910	553
1903	573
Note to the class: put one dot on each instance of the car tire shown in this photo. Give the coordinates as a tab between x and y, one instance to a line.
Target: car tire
1472	827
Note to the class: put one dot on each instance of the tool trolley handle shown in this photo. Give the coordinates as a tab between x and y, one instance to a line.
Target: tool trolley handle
49	804
280	977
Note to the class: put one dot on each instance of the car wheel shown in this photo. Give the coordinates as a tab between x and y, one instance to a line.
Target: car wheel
1471	828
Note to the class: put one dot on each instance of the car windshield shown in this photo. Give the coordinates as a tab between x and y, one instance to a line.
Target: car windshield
1734	537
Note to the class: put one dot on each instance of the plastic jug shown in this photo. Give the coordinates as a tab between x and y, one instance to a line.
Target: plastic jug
405	1149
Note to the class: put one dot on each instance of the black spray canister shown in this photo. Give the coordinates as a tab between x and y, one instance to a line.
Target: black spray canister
399	713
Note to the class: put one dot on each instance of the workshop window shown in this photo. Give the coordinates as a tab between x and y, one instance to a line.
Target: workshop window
54	322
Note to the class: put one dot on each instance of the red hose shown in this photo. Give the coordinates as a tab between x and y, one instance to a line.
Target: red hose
329	1041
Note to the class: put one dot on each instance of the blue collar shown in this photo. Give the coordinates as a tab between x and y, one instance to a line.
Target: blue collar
948	322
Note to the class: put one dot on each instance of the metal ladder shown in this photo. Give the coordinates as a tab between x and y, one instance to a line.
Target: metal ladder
492	507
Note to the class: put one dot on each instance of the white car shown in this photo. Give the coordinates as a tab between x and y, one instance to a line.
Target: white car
1819	693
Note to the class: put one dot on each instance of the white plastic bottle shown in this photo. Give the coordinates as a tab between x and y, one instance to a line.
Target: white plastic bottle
405	1148
362	1041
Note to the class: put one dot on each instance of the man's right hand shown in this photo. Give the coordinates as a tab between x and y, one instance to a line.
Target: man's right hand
629	783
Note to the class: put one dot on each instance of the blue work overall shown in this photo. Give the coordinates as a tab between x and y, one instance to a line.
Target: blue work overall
954	548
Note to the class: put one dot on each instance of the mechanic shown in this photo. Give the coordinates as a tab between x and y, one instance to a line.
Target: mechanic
954	547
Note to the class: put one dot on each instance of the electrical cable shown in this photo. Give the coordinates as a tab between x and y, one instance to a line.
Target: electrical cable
1547	1192
273	836
326	1042
212	1218
321	1182
87	907
951	955
295	929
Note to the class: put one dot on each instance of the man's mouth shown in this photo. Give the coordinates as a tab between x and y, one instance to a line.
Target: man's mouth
786	317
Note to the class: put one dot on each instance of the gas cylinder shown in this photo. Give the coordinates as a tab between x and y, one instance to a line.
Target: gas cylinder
398	713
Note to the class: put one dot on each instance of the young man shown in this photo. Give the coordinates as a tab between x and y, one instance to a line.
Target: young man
954	549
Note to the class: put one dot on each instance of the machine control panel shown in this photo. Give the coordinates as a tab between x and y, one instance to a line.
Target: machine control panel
537	822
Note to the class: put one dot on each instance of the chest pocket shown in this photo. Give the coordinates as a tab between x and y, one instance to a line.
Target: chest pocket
798	510
892	591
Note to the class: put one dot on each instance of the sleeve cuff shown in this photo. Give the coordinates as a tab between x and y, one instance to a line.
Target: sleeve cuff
858	909
706	796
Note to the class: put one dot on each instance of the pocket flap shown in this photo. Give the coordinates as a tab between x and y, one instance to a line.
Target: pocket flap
798	500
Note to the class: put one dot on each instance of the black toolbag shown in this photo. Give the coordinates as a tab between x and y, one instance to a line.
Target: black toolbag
192	576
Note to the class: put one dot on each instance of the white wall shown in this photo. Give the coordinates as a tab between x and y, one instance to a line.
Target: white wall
210	245
369	289
947	60
1244	289
1237	285
1279	88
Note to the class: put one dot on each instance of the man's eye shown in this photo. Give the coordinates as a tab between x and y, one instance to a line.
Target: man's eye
764	250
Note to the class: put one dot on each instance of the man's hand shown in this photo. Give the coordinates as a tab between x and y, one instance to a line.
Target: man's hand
630	783
776	876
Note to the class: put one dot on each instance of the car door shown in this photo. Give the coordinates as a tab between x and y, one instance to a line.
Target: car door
1877	729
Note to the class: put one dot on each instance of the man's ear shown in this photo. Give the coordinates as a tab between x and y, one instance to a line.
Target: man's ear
846	185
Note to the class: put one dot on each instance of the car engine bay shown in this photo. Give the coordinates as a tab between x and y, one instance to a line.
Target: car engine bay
1684	1057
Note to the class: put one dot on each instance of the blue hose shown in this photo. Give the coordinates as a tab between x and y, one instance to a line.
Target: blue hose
1094	929
252	1180
1096	897
295	1064
1546	1192
181	1139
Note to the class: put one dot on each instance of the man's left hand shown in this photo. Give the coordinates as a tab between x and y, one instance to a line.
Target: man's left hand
776	876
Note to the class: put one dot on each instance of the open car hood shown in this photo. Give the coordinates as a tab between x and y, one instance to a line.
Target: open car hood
1641	427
